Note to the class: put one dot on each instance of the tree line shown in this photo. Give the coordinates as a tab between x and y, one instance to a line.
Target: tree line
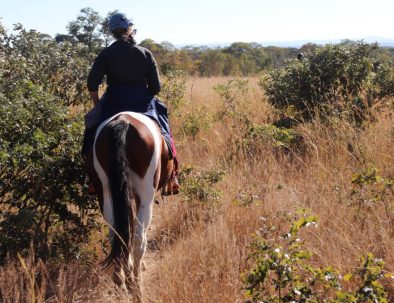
237	59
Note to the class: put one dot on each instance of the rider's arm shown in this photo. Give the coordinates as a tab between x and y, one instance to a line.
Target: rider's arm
94	96
96	76
153	78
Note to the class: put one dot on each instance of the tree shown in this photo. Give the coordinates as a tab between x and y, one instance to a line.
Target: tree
85	29
212	63
59	38
104	29
154	47
308	47
237	49
251	57
231	66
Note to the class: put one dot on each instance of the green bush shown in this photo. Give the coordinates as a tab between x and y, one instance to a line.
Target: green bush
235	96
196	121
260	137
275	136
44	202
234	112
173	90
334	80
199	185
384	80
371	192
57	68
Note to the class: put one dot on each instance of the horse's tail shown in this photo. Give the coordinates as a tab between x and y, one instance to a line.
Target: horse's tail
123	209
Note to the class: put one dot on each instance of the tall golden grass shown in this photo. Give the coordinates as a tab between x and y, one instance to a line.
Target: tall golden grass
198	251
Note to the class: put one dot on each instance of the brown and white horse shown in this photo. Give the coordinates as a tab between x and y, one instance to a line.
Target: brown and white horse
130	162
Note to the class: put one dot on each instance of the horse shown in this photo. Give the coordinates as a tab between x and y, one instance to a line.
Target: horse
129	162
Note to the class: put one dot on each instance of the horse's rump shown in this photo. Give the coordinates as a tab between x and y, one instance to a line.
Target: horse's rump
130	160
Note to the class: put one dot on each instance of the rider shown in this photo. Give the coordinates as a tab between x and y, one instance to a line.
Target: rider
132	79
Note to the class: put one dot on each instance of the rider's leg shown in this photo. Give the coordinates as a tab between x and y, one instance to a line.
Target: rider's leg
86	152
88	141
174	176
164	124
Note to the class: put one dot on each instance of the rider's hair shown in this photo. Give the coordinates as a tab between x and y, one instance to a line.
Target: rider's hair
120	33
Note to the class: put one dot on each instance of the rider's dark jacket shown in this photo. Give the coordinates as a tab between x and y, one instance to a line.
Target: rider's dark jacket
125	63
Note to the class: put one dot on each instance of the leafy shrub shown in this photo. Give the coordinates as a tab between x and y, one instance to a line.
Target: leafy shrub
57	68
234	94
262	137
43	198
275	137
384	80
372	191
173	90
199	185
280	272
196	121
333	80
234	112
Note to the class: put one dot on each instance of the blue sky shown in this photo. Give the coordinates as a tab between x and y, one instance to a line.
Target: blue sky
210	21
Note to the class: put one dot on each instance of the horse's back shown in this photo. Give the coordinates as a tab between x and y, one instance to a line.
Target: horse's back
142	141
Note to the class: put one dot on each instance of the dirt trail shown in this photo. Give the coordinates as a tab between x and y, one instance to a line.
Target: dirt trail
153	253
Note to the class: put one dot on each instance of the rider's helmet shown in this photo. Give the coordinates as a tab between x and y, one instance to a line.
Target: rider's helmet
119	21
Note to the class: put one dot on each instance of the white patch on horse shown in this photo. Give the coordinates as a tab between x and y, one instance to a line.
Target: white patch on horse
143	187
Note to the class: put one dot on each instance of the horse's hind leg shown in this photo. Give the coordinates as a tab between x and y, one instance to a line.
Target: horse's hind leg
143	219
118	275
131	286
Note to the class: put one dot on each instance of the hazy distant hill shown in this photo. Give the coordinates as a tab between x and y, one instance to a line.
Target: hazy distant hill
384	42
298	43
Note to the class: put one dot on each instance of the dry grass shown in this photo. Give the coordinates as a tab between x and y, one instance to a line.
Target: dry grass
27	281
198	252
206	264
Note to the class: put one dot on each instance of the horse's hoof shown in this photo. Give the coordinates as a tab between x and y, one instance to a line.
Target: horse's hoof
166	193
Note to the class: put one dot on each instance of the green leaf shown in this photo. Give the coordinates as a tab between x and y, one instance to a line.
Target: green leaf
311	219
297	225
375	270
347	277
389	275
302	255
3	155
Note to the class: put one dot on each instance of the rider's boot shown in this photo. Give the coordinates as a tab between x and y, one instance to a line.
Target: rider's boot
88	161
174	177
172	187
